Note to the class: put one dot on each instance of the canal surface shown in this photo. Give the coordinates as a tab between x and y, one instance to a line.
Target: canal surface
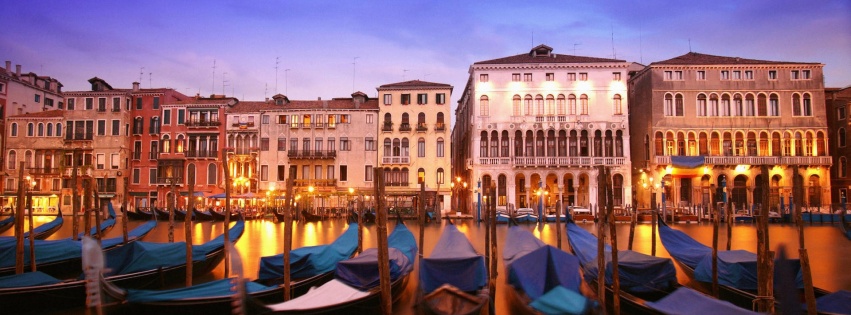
828	249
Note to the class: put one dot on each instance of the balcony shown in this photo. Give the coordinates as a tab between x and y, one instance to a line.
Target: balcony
116	109
167	181
405	127
405	160
312	154
153	155
245	151
555	161
204	124
758	160
422	127
315	182
83	170
78	136
201	154
44	170
440	127
388	126
137	156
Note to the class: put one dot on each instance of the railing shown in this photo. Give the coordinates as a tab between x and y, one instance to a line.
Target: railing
203	123
312	154
422	128
315	182
405	127
201	154
82	170
153	155
387	127
137	156
79	136
168	180
439	127
245	151
396	160
757	160
397	184
553	161
43	170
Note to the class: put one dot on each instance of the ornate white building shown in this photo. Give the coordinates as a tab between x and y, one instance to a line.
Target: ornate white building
541	122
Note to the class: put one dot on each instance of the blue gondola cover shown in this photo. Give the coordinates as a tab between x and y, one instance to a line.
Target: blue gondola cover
311	260
213	289
27	279
536	268
361	272
686	301
453	261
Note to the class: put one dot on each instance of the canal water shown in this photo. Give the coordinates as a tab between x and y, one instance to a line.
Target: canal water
828	249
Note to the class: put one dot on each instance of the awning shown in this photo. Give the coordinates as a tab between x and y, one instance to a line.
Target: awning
106	195
196	194
139	193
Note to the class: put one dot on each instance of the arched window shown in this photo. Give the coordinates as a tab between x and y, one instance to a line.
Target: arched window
504	149
796	105
750	109
740	192
814	191
616	102
725	105
420	175
13	160
701	104
440	148
668	106
773	105
808	106
761	105
166	144
421	123
571	104
516	106
179	144
527	105
440	177
842	167
190	174
484	107
40	129
660	150
678	105
440	125
211	174
405	121
560	105
397	147
14	130
539	105
713	105
30	131
387	148
738	107
421	149
583	104
551	106
50	130
617	187
841	138
483	144
494	146
405	147
501	190
28	159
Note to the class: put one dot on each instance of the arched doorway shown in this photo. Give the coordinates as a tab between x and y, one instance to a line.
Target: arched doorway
774	193
520	191
739	197
758	190
582	196
814	191
569	193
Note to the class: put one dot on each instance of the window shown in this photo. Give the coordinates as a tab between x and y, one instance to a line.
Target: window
440	148
841	139
440	176
282	144
388	99
156	102
583	104
678	75
550	77
181	116
773	106
515	77
772	74
90	103
669	75
115	161
368	172
805	74
440	98
796	105
37	98
583	76
344	174
483	106
369	144
422	98
264	119
264	172
701	75
571	76
842	168
138	103
344	144
406	99
152	176
40	129
616	101
101	104
330	174
748	75
167	117
264	144
737	75
421	147
795	75
616	76
678	105
137	176
483	77
72	102
101	160
368	118
116	127
668	108
2	86
527	77
808	106
701	105
14	130
101	127
840	113
725	75
212	174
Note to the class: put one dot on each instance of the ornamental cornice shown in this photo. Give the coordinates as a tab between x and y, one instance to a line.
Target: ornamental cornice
618	65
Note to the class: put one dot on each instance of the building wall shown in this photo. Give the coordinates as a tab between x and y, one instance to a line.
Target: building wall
839	126
43	156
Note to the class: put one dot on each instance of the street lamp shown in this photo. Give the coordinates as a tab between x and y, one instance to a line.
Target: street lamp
310	190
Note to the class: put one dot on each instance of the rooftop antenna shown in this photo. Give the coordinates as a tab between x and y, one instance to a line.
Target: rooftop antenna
286	83
213	88
614	55
276	73
224	82
354	70
689	45
574	47
150	86
266	90
640	51
141	72
404	72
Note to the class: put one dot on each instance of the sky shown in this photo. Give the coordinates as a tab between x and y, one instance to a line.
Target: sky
311	49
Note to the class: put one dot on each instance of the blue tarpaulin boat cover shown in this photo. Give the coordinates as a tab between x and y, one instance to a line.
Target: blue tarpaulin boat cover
27	279
638	272
736	268
105	224
838	302
361	272
44	227
311	260
453	261
141	256
686	301
213	289
141	230
687	161
535	268
560	300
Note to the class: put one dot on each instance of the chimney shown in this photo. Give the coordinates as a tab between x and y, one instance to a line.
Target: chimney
319	98
18	71
135	86
8	66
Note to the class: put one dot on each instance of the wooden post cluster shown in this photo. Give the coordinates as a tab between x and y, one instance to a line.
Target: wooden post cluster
601	239
288	236
383	253
809	292
614	241
227	212
187	228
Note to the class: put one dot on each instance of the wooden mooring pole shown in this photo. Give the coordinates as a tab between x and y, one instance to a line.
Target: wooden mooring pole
716	219
383	251
288	236
227	212
613	235
187	228
494	272
765	270
809	292
601	238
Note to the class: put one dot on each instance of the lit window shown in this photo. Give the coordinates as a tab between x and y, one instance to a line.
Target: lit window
483	77
551	77
515	77
527	77
583	76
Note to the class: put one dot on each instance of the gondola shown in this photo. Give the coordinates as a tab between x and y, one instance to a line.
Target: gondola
7	223
688	301
642	277
737	282
310	266
180	215
105	225
140	215
355	287
453	279
202	215
220	215
843	225
60	258
542	278
309	217
162	214
42	231
38	291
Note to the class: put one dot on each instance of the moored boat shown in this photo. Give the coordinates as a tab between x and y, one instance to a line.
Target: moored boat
7	223
204	215
140	214
453	279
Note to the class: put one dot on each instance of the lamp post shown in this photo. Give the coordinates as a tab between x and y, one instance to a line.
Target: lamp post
349	204
310	190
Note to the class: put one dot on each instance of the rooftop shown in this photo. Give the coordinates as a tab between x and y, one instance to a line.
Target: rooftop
544	54
693	58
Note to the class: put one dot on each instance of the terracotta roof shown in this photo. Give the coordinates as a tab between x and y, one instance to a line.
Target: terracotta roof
414	83
44	114
544	54
336	103
252	107
693	58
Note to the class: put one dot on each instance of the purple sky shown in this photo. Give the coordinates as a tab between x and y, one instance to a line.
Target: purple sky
318	41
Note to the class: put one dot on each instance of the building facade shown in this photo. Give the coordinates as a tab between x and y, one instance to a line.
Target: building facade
413	143
704	125
839	129
37	140
535	126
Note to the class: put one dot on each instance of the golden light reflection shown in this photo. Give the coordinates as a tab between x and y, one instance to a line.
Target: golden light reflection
309	235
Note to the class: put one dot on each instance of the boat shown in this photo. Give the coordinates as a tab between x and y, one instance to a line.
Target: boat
42	231
645	216
309	217
580	214
737	282
743	216
60	258
39	291
202	215
105	225
502	217
310	266
552	218
162	214
7	223
542	278
454	278
642	277
180	215
525	215
685	301
844	228
220	215
622	215
140	214
355	287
